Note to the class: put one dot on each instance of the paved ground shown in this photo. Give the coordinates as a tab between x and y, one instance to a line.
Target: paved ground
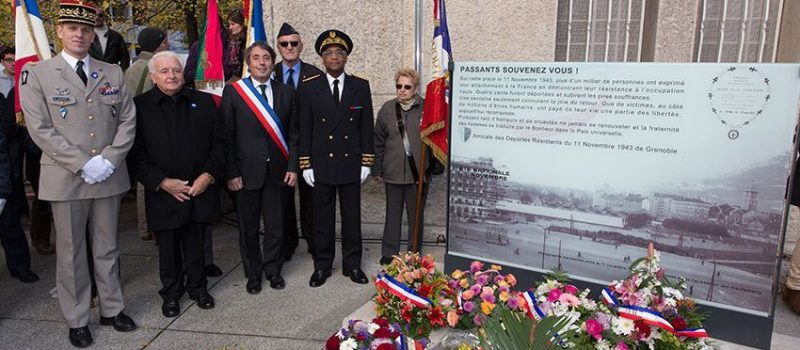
298	317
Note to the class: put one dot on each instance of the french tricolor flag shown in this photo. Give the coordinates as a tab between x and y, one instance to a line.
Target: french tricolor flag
30	39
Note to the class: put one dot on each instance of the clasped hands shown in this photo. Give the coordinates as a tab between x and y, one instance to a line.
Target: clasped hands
180	189
96	170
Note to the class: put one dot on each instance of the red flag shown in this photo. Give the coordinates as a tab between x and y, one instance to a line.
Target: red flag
210	76
433	128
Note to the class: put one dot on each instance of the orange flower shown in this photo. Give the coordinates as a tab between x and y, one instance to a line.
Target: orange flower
504	296
511	279
463	283
457	274
487	307
496	267
452	318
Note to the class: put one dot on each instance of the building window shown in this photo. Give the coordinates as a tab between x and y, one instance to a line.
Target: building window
738	30
599	30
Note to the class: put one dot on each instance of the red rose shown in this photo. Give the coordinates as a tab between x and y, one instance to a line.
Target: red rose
381	322
679	323
332	343
384	332
386	346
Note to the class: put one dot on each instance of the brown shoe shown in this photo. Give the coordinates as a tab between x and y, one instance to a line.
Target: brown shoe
792	299
44	248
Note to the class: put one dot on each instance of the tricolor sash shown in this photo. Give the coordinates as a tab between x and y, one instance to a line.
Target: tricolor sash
401	290
266	116
650	317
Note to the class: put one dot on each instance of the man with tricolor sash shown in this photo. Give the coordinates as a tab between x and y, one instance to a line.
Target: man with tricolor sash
261	125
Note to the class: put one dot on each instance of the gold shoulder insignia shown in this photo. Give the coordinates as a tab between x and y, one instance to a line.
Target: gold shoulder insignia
311	77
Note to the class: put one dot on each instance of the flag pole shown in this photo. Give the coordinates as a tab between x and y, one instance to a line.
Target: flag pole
420	201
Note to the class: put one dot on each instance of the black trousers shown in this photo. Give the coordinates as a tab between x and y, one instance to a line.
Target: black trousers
12	237
291	239
398	196
269	201
179	251
325	224
41	217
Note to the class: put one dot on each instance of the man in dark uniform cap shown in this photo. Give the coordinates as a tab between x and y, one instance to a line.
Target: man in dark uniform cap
79	112
336	154
293	72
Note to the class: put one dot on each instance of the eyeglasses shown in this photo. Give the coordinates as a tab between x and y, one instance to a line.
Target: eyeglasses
401	87
289	43
340	53
8	60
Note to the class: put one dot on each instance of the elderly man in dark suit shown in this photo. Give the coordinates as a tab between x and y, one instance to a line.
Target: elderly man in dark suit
293	72
336	153
177	155
261	123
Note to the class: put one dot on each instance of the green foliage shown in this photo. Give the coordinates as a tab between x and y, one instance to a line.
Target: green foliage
514	331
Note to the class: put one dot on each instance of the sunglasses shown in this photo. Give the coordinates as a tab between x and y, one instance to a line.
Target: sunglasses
287	43
401	86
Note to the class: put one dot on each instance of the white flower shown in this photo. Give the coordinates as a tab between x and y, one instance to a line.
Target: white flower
589	304
349	344
602	344
670	292
372	327
622	326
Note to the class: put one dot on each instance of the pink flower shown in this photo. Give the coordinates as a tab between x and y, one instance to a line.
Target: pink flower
594	328
660	273
513	302
467	294
621	346
476	289
475	266
554	295
499	278
479	321
504	289
571	289
482	280
569	299
469	307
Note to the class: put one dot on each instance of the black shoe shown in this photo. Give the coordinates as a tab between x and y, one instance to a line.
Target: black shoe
204	301
121	322
276	282
386	260
25	276
319	277
171	308
80	337
213	271
356	275
253	286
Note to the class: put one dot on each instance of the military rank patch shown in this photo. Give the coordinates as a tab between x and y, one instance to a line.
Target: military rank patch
24	77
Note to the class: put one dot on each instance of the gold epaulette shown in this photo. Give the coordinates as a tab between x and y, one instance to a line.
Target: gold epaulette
312	77
305	163
367	159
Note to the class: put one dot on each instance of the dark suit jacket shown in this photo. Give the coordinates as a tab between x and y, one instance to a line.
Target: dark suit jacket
306	71
249	144
152	161
116	50
336	141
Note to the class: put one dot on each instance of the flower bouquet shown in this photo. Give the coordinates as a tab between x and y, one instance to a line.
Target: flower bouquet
648	311
476	294
411	292
375	335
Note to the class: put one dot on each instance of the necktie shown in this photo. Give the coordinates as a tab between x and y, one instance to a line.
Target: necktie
263	88
290	79
81	73
336	91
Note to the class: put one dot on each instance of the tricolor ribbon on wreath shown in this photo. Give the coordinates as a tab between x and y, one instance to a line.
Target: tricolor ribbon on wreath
650	317
401	290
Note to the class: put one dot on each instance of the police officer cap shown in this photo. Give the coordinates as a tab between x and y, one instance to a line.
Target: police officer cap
333	37
77	11
286	29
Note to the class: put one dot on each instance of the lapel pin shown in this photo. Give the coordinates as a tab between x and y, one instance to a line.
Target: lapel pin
194	105
94	75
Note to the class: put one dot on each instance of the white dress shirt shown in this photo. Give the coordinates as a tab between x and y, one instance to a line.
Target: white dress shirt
73	61
341	83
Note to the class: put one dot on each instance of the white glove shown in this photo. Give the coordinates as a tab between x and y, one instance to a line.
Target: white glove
365	171
97	169
2	204
308	175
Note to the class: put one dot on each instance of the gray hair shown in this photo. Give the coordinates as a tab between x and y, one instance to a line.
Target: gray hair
151	66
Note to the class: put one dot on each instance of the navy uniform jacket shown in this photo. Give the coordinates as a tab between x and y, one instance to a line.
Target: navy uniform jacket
306	71
336	141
